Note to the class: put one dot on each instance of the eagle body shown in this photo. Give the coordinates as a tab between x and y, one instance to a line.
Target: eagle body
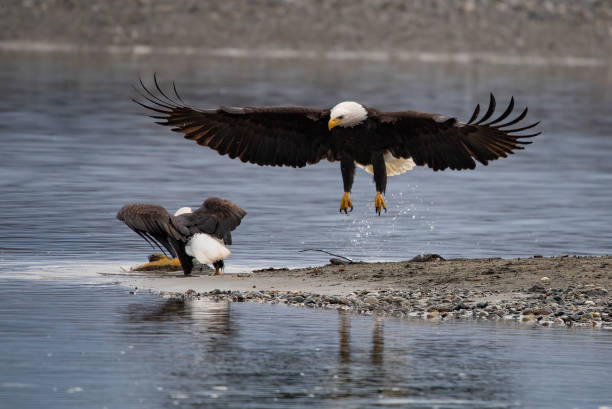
201	234
383	143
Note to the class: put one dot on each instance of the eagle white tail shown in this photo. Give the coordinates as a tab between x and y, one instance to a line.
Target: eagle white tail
206	249
395	166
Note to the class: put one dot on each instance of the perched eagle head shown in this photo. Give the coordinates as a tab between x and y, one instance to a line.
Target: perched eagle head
347	114
183	210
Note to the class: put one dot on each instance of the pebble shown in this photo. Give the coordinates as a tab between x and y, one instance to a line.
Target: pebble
583	305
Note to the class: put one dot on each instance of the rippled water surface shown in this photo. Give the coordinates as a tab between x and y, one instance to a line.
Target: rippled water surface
66	346
75	148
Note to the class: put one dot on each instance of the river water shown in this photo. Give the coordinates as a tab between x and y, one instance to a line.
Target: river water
115	350
75	149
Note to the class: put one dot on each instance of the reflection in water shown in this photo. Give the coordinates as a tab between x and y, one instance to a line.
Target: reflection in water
378	343
344	338
202	315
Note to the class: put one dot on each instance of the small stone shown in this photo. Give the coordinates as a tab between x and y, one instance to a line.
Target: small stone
589	302
421	258
542	311
371	300
544	279
338	261
596	292
462	306
482	304
536	289
443	308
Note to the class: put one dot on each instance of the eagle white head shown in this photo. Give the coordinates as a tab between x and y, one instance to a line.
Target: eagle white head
347	114
183	210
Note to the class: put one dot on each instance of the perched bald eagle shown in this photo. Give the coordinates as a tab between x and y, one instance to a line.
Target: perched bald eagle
201	234
383	143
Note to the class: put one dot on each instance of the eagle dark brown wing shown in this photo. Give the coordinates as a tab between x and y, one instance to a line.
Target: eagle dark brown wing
441	142
153	224
277	136
217	217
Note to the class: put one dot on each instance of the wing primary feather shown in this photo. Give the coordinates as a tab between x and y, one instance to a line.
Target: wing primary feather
151	241
176	92
155	97
475	114
489	112
144	237
521	129
515	120
153	101
161	111
161	91
504	115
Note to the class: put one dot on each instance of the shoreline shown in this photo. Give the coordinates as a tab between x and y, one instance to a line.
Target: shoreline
516	27
373	56
540	291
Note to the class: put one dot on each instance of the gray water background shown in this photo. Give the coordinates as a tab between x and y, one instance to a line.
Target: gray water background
75	149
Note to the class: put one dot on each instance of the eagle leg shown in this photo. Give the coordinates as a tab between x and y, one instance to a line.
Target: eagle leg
347	167
379	203
218	265
380	179
345	203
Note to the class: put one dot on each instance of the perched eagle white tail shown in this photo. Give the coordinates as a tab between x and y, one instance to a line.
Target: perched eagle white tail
206	249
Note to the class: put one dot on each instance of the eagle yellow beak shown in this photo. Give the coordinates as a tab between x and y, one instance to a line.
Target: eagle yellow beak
333	122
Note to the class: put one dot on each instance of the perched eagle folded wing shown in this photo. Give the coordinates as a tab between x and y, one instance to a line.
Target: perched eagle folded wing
217	217
153	224
277	136
441	142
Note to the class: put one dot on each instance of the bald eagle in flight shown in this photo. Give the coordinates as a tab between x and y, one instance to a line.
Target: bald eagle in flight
201	234
383	143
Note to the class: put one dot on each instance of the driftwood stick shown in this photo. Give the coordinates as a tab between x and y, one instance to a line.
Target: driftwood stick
327	252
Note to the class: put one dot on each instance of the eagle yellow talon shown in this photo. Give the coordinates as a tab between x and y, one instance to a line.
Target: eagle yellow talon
345	203
379	203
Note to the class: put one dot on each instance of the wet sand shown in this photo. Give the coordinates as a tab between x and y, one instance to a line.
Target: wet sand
565	290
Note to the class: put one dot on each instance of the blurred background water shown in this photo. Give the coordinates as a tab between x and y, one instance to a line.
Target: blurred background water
75	149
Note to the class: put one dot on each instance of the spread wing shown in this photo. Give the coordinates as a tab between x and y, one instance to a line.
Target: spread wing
153	224
277	136
441	142
217	217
